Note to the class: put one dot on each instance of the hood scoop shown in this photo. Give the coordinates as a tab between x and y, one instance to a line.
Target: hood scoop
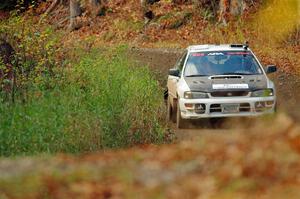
226	77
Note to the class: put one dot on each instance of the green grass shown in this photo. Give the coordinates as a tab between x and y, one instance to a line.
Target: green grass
102	102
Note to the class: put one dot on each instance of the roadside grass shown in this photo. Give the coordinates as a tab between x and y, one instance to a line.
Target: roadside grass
104	101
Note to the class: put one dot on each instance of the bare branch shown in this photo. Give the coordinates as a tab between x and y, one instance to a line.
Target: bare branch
54	4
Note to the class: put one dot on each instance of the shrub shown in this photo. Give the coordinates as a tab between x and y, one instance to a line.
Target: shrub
125	99
37	53
102	102
272	27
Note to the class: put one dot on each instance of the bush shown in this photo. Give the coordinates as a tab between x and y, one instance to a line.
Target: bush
102	102
38	54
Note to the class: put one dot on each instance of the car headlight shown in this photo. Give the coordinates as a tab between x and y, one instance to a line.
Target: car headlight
263	93
195	95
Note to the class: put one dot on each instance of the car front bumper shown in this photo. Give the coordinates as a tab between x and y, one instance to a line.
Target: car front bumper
248	106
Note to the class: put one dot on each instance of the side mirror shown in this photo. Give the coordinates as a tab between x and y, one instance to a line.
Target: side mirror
174	72
271	69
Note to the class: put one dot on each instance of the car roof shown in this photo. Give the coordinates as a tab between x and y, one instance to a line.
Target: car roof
221	47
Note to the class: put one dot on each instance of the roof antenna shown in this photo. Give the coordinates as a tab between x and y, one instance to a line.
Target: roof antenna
246	45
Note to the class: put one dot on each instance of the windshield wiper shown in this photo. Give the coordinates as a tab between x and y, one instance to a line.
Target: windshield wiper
198	75
236	74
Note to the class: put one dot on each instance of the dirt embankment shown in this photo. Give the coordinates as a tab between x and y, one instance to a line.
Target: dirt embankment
160	60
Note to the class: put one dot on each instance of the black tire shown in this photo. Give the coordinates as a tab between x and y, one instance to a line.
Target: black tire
180	122
169	110
275	108
171	116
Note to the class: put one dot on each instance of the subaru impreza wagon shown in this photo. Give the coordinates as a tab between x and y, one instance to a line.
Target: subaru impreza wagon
215	81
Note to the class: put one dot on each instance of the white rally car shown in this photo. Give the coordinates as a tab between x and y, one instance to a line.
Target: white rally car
213	81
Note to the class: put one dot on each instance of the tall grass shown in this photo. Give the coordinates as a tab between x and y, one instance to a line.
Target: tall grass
102	102
277	20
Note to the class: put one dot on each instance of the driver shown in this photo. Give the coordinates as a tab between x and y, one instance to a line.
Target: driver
205	66
198	66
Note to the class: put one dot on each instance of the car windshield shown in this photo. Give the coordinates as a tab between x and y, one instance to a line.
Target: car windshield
221	63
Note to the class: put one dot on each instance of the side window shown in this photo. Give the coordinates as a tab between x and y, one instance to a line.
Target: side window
181	61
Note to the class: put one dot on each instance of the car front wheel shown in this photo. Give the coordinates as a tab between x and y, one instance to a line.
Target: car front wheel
171	116
180	122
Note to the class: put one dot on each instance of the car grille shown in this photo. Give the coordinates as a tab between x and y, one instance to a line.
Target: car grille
229	93
216	108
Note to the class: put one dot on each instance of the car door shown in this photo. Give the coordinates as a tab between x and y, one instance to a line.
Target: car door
173	80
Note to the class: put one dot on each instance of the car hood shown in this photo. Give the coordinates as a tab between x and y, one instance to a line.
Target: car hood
230	82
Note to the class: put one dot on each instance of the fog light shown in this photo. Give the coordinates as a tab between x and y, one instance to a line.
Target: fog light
269	103
263	106
189	106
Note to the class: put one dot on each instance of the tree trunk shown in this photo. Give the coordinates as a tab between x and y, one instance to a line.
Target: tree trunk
237	7
75	11
229	9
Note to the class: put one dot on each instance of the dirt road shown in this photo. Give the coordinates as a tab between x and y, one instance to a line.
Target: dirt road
160	60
